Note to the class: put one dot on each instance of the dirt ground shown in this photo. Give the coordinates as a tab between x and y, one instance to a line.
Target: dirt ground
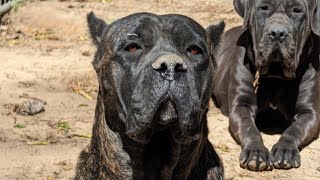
45	52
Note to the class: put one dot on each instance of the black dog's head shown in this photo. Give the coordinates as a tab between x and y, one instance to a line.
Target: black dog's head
279	30
155	72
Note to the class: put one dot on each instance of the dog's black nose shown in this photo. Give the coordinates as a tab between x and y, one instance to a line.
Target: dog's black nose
169	65
278	33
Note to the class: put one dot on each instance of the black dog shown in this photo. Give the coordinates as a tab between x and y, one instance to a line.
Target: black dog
155	78
268	79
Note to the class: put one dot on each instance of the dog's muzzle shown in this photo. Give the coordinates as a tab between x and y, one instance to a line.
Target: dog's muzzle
275	67
276	53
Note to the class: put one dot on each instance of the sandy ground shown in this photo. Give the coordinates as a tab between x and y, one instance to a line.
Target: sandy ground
45	52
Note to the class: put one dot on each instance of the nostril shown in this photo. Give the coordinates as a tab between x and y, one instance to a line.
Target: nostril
169	66
281	34
278	33
180	68
158	66
163	67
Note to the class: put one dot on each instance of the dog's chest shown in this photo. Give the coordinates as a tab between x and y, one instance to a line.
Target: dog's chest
277	94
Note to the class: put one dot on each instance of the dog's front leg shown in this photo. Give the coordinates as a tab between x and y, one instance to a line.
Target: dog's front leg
242	113
306	123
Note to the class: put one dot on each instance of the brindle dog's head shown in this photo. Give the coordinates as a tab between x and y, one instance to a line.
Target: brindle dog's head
155	72
279	30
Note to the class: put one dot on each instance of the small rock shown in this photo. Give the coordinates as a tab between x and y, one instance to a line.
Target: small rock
3	28
57	172
30	107
38	169
15	36
19	31
318	169
3	139
85	53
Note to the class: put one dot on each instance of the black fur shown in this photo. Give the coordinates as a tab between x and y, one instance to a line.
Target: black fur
280	40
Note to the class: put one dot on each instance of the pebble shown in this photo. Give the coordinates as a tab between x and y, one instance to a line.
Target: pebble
15	36
3	28
85	53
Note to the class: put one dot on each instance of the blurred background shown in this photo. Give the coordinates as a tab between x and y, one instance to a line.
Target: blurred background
48	86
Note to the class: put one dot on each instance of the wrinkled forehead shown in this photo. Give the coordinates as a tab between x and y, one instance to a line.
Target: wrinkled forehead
150	27
183	27
284	3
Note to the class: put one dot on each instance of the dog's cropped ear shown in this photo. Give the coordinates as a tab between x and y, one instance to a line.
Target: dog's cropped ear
239	6
315	24
215	32
243	9
96	27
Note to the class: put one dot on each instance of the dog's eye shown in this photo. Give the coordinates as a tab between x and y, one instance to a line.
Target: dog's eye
264	8
296	10
132	47
194	50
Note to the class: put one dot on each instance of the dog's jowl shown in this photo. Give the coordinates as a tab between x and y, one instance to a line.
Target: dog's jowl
155	78
268	80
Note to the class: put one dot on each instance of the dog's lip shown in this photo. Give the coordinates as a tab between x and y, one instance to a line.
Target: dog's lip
141	137
182	138
289	72
186	139
276	56
276	68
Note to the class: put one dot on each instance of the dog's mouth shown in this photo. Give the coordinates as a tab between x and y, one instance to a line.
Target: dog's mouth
276	68
166	118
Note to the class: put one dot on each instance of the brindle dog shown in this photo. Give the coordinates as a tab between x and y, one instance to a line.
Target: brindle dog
155	78
269	79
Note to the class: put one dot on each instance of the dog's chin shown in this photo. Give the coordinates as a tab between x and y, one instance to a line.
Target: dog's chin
167	116
177	135
142	137
275	67
180	138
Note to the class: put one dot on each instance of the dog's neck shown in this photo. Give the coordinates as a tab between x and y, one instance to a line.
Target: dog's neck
162	157
108	147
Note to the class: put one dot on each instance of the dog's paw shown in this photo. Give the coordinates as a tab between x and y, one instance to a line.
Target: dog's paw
285	155
256	158
215	173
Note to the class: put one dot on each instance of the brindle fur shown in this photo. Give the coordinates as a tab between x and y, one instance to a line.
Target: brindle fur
144	127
